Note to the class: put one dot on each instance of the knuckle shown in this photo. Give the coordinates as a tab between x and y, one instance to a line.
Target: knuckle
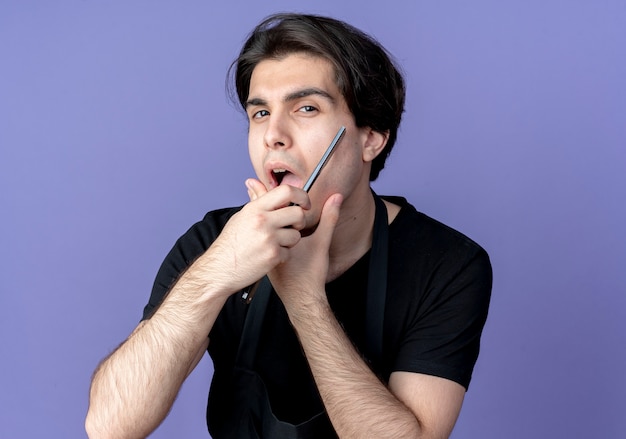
258	220
276	256
300	222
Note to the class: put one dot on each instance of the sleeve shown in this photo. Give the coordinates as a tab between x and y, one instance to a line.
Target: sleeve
185	251
443	332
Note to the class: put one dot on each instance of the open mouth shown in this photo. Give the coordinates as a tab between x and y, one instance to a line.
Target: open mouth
279	175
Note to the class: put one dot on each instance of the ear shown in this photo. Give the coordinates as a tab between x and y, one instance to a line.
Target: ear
374	143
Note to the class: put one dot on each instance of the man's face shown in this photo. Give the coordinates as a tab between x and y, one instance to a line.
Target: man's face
295	109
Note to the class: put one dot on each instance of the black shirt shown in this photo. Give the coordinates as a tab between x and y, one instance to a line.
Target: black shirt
438	292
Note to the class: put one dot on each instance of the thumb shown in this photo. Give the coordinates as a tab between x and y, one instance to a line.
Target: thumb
329	217
255	188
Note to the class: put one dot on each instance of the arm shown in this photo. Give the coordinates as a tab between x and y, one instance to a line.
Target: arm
358	403
134	388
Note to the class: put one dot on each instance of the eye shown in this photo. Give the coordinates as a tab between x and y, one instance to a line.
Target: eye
307	109
259	114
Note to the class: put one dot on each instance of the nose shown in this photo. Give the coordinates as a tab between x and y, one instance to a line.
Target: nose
277	133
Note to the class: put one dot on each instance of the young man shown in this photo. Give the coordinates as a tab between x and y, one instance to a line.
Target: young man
372	322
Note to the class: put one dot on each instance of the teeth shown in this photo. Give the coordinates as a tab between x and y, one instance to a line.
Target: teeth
279	174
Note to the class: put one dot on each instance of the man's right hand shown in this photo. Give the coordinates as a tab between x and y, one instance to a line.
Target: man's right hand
257	238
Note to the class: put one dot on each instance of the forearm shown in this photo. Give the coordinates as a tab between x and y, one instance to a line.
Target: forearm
357	402
134	388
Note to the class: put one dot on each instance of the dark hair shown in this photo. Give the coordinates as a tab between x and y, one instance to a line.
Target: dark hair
369	81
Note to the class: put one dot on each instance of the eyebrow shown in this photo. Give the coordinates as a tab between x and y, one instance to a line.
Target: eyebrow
298	94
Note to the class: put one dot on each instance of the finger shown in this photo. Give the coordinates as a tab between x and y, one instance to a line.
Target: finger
292	217
329	217
288	237
282	196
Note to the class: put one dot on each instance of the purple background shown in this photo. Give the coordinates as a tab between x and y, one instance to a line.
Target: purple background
116	135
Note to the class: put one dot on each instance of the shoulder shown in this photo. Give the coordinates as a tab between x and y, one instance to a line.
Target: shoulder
187	248
440	287
414	227
199	237
430	252
202	234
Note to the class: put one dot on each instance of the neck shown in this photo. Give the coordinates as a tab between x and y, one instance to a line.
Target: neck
353	233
